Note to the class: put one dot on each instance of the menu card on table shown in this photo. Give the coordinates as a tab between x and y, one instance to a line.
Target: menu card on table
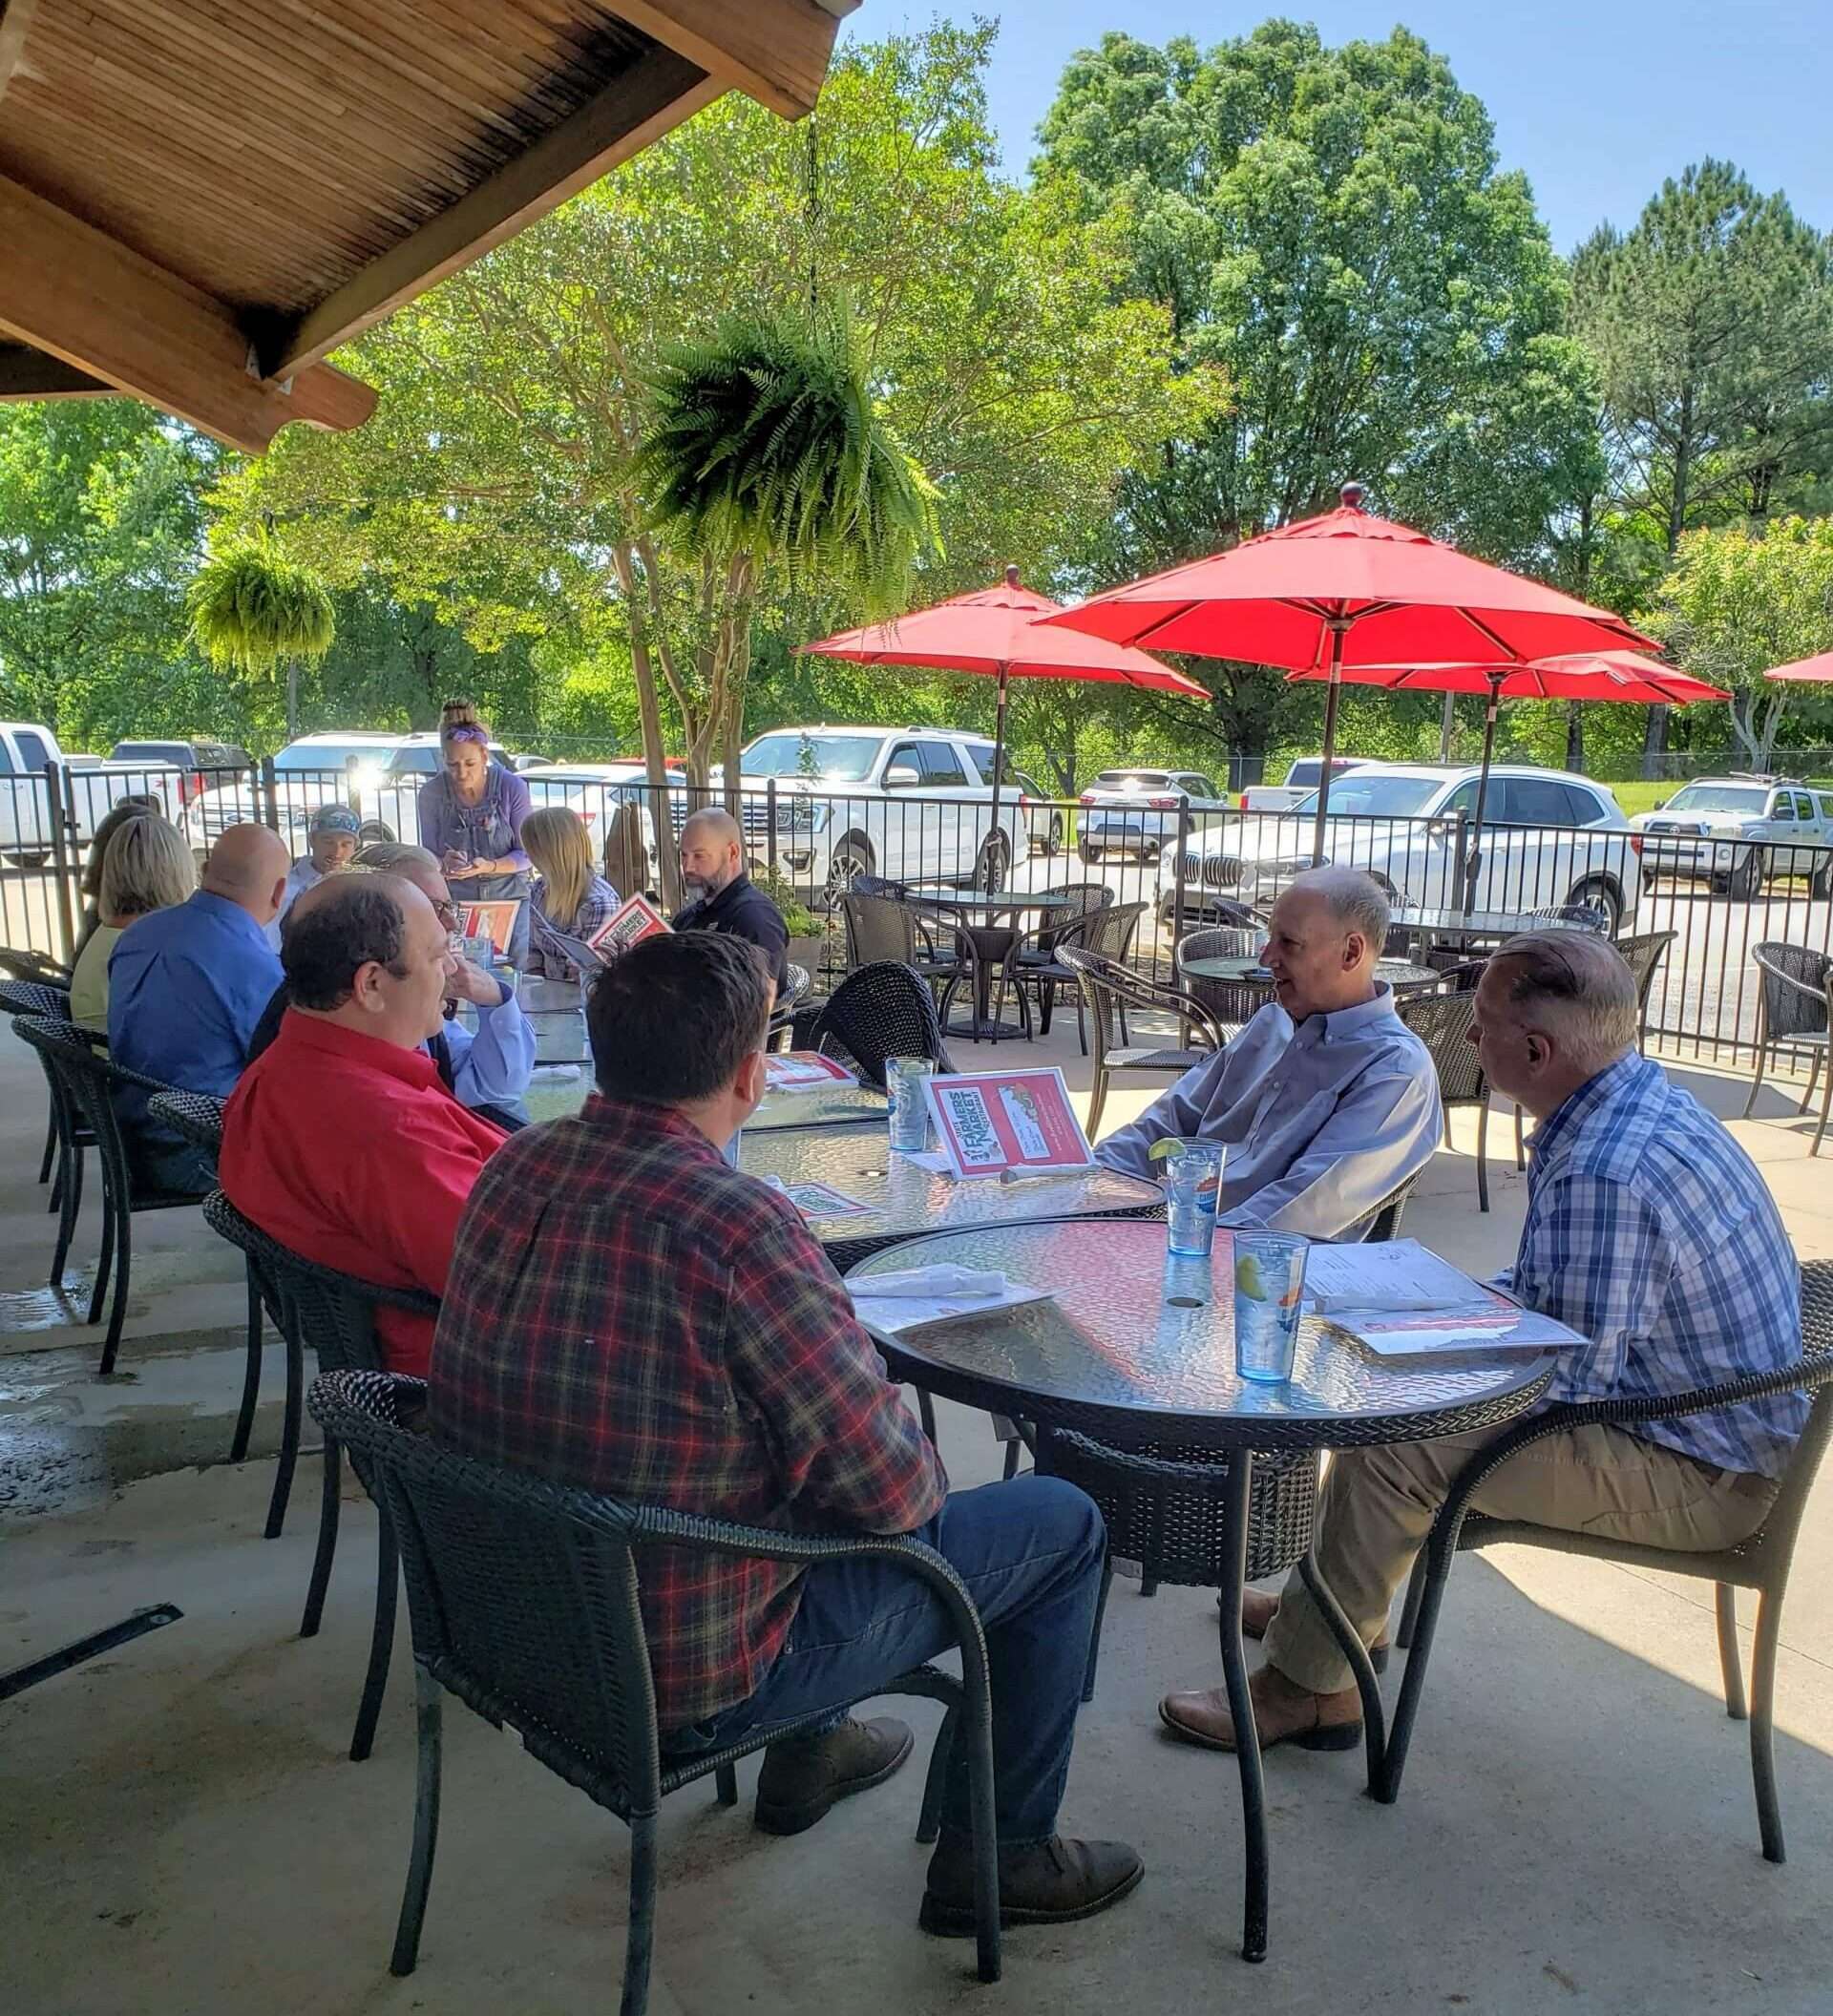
1398	1300
993	1121
493	921
634	919
804	1071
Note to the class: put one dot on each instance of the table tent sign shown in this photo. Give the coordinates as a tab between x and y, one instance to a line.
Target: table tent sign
1007	1122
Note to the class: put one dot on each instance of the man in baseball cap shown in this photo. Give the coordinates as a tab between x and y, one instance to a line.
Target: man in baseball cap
330	844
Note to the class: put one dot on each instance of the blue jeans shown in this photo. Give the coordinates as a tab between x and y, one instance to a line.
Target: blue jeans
1030	1553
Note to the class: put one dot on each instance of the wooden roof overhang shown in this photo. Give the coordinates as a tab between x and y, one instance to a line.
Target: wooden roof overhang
199	200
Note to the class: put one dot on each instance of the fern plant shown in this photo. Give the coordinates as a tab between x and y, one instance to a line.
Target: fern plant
767	446
253	610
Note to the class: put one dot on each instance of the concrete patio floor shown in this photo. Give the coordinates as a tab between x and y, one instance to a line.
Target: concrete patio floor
182	1829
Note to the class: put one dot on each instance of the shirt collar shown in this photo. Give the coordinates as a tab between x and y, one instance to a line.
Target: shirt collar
639	1123
313	1033
1343	1026
211	905
1610	1083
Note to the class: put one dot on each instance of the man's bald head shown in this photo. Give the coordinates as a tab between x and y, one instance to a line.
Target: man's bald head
248	867
713	851
368	950
1324	937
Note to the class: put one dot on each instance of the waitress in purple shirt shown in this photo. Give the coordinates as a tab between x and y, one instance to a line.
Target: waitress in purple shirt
470	817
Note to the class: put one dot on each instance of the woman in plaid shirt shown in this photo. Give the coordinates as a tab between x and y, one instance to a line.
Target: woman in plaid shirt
627	1313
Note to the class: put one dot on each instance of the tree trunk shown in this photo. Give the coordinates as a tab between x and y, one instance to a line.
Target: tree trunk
1575	736
649	715
1447	726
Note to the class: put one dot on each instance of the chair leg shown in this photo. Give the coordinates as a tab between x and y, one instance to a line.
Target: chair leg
1483	1156
1410	1608
326	1551
426	1825
50	1148
1438	1556
1126	1035
929	1819
926	1413
105	1261
1082	1022
1014	1450
1047	1005
250	1377
1097	1099
123	1222
1762	1702
375	1681
1730	1663
1095	1635
641	1940
288	1439
69	1198
1813	1080
1826	1108
726	1784
1756	1082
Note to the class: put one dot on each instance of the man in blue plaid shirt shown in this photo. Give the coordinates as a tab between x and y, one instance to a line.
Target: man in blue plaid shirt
1651	1232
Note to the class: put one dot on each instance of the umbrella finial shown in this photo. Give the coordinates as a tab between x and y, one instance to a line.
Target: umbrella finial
1353	496
1011	575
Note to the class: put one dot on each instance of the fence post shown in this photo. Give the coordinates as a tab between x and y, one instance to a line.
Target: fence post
769	814
1460	862
1177	883
269	795
60	804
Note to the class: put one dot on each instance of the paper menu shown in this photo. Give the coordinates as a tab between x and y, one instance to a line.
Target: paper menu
634	919
492	921
1399	1301
896	1313
804	1071
820	1200
989	1121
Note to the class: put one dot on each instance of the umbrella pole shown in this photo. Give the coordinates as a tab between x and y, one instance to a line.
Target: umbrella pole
1475	867
1339	629
999	768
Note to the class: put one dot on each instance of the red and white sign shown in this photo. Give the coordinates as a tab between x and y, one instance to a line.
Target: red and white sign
993	1121
494	920
634	919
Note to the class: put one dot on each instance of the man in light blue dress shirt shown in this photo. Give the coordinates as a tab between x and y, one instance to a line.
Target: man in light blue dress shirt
186	988
1326	1102
1649	1231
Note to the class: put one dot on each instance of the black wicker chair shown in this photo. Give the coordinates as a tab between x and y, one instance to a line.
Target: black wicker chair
1233	1004
1443	1022
878	1012
1794	1012
1107	989
88	1079
333	1314
51	999
797	984
1032	962
20	964
885	928
1760	1563
523	1598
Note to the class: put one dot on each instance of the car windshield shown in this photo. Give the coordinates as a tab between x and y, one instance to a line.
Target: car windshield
327	755
1133	781
151	752
1720	798
843	758
1377	796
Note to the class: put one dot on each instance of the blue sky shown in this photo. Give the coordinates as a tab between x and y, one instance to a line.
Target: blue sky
1597	102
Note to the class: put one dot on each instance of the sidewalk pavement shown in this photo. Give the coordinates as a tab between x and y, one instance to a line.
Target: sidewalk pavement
186	1833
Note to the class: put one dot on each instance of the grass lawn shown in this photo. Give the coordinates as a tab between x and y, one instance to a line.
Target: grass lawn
1638	797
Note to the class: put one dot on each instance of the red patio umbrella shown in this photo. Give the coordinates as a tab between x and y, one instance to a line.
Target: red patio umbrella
1582	675
1347	589
996	632
1807	670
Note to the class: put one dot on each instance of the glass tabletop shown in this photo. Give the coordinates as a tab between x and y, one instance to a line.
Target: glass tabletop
1479	923
1005	899
823	1106
902	1197
1134	1343
1397	973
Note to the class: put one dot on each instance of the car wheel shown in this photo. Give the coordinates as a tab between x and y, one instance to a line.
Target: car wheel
1090	853
1602	894
1746	880
993	870
851	857
1820	884
1053	843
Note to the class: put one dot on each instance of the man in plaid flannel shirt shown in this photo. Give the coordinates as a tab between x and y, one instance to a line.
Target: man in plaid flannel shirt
1652	1233
627	1313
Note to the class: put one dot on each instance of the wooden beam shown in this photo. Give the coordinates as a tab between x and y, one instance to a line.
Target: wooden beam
71	291
15	18
655	93
26	373
774	50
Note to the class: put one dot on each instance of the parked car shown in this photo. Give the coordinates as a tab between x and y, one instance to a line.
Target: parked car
1548	838
204	764
595	791
1306	774
1135	812
911	803
27	822
1043	822
1734	831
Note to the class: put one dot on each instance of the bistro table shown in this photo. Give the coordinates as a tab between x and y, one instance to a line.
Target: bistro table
1135	1348
1464	926
976	915
1233	988
903	1198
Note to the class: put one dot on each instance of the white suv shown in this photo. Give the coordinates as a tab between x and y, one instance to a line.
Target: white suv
1696	833
1549	838
910	804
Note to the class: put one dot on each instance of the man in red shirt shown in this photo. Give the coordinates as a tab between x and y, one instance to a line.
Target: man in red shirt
340	1139
630	1313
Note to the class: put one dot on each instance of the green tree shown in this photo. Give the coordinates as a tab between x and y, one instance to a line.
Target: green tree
1328	228
1738	602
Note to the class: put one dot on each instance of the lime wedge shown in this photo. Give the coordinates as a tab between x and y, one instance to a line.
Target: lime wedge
1247	1278
1164	1150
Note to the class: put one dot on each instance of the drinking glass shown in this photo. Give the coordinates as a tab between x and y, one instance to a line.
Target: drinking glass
1192	1181
1269	1287
909	1109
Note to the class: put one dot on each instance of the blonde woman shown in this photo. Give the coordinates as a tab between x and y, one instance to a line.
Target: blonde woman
146	866
569	897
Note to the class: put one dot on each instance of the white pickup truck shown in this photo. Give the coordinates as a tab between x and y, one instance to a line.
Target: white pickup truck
26	819
1735	832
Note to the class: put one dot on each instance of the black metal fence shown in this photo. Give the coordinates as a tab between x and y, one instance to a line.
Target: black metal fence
1184	866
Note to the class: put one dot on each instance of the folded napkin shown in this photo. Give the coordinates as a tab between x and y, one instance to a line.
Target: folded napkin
932	1284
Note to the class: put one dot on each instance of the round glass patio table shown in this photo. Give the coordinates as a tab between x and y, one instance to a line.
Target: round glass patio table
1237	988
850	1106
1135	1347
976	915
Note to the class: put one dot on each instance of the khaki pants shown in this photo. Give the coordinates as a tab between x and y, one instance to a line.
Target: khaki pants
1377	1506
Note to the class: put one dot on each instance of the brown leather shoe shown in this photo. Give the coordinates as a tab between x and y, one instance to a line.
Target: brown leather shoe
804	1776
1283	1713
1259	1609
1049	1884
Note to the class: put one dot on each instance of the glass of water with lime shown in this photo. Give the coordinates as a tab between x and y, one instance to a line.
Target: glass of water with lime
1193	1176
1269	1287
